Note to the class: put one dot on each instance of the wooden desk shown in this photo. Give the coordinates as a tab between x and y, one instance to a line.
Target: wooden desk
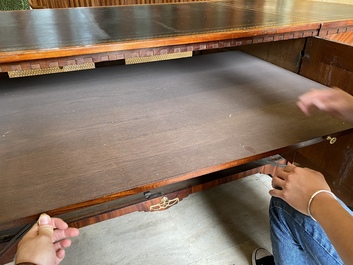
78	139
86	144
59	37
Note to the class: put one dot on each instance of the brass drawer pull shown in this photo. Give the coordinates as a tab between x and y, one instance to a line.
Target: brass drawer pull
331	139
164	204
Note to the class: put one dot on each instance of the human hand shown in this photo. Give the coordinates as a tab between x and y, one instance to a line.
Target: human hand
45	242
336	102
296	185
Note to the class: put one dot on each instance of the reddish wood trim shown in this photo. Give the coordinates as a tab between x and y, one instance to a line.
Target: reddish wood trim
94	3
256	35
346	38
12	61
335	30
334	27
181	194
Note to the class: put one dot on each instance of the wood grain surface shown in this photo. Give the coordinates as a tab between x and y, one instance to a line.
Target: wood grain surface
346	38
56	33
76	139
329	63
92	3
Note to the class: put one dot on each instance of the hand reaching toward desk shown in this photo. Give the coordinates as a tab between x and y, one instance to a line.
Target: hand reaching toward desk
45	242
307	191
336	102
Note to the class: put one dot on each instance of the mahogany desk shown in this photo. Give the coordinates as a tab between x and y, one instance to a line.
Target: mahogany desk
85	145
59	37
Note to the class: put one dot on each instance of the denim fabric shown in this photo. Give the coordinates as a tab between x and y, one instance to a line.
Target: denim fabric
297	239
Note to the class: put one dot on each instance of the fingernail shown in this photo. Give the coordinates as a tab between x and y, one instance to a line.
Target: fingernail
44	219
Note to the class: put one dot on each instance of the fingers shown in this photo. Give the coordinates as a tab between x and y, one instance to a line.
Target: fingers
307	109
60	255
53	223
335	102
277	183
289	168
305	101
59	223
62	234
315	99
276	193
45	225
283	173
60	249
65	243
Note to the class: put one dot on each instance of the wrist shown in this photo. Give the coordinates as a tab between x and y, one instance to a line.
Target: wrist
319	199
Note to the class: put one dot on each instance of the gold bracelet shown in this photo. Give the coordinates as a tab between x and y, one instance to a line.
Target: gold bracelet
313	196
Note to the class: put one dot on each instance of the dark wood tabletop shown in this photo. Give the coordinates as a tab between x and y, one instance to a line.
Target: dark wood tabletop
52	33
73	139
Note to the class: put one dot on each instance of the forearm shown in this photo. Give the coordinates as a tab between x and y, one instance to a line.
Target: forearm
336	222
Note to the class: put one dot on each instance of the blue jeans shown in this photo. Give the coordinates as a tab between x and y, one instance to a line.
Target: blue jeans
297	239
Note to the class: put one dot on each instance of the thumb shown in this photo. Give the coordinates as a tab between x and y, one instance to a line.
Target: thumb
45	225
275	193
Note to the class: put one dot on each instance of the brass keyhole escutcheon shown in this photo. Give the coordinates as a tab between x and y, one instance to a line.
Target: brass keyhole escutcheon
331	139
164	204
